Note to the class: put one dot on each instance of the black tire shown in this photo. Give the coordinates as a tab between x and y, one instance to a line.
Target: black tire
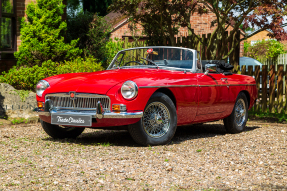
236	125
57	132
165	107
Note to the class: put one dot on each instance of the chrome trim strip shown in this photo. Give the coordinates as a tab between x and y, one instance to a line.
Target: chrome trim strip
109	115
82	95
174	86
171	86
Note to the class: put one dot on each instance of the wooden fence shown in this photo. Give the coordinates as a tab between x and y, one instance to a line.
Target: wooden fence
270	98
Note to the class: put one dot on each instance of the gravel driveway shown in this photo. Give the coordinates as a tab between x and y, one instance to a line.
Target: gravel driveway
199	157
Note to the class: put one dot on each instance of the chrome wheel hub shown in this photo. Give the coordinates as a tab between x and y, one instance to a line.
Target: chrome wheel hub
240	112
156	120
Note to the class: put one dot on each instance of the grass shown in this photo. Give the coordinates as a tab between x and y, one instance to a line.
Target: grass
280	117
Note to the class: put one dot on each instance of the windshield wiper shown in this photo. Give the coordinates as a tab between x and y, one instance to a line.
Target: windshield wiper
150	61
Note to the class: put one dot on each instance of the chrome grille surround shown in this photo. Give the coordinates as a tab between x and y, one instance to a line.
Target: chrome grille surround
82	101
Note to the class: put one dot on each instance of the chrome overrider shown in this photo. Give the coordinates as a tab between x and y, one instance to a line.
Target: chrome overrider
99	113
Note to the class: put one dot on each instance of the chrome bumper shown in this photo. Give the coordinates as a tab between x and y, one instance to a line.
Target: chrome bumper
99	113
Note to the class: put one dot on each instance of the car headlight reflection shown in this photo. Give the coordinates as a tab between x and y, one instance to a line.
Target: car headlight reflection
129	90
41	86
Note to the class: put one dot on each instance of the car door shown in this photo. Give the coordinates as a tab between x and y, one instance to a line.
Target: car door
213	96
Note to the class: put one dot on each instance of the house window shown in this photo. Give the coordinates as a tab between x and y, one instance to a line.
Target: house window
7	26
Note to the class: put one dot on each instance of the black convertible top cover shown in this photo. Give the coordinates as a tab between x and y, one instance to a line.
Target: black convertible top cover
222	67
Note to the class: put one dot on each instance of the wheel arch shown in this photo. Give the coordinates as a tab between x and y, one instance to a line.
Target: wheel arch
247	96
169	93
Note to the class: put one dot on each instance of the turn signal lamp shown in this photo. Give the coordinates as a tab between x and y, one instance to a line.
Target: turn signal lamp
40	104
119	107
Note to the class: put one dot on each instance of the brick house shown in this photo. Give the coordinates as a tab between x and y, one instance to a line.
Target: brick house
263	35
11	12
200	24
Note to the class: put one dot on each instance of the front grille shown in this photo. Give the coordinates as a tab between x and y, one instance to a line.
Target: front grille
81	101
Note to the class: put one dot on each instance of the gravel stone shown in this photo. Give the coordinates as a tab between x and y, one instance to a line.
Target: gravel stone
200	157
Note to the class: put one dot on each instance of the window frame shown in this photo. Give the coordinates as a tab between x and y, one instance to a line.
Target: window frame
12	16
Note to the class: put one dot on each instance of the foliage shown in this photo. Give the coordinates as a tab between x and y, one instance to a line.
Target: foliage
42	35
112	48
281	117
23	94
93	6
265	49
78	27
161	19
246	46
98	36
25	78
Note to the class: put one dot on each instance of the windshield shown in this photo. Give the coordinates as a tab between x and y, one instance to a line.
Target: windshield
154	57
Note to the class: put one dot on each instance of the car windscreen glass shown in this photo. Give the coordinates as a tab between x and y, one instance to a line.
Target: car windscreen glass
154	57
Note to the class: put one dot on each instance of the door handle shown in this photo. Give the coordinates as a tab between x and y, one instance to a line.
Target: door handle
224	80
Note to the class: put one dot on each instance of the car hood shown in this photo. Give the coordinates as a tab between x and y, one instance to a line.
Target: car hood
95	82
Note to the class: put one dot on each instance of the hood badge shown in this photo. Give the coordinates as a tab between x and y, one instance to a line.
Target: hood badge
72	95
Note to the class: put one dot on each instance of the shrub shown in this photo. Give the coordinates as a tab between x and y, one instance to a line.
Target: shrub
42	35
112	48
78	27
98	36
25	78
265	49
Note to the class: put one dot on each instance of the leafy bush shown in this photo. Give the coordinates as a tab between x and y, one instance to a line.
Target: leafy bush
25	78
265	49
78	27
42	35
112	48
98	36
93	34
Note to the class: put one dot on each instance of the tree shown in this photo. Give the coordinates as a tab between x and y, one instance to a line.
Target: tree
265	49
92	6
161	19
42	35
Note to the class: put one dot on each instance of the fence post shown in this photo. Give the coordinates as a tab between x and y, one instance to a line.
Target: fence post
280	88
257	79
272	89
264	88
243	70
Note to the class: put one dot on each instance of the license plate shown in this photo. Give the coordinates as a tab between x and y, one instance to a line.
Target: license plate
72	120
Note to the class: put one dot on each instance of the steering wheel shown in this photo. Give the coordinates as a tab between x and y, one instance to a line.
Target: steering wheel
133	61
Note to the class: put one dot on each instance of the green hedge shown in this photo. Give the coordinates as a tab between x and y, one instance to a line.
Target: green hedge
25	78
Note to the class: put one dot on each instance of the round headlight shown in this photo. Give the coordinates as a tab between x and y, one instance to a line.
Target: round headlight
129	90
41	86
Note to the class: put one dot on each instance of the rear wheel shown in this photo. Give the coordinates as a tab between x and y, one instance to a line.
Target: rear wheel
57	132
158	124
236	122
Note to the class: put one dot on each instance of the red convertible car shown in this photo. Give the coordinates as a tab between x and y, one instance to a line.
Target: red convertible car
148	90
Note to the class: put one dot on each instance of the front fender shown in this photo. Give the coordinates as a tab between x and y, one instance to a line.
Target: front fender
136	104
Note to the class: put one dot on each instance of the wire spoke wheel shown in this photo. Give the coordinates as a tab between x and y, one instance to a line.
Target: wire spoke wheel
240	111
156	120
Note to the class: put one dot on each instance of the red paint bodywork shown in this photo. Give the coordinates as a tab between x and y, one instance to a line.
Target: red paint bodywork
198	97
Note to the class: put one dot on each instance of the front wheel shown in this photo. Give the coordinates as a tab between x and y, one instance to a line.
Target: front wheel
158	124
57	132
236	122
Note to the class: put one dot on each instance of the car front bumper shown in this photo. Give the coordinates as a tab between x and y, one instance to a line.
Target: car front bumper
98	113
94	114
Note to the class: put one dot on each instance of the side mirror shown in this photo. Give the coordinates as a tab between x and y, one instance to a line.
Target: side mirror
209	68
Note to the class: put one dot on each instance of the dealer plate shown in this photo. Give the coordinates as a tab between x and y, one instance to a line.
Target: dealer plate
71	120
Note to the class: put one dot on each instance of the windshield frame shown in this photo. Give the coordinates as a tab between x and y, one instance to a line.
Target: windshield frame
193	69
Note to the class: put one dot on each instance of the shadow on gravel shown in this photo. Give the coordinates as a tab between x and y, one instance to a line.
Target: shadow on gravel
122	137
270	187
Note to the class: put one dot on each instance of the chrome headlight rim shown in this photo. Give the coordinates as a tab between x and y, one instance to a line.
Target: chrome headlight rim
134	88
40	91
